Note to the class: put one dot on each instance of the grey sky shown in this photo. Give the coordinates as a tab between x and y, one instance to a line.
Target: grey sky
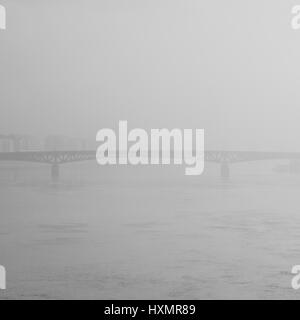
230	67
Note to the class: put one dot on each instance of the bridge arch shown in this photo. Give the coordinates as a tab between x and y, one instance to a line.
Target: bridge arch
223	158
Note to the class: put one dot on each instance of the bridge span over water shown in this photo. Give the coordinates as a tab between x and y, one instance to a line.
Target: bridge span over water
224	158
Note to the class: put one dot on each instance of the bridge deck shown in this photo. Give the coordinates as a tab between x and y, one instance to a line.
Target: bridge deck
61	157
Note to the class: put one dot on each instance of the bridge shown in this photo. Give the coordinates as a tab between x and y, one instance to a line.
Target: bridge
53	158
224	158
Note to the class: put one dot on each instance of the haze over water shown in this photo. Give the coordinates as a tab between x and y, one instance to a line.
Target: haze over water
135	233
71	68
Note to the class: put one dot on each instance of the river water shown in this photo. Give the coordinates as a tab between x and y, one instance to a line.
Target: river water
148	233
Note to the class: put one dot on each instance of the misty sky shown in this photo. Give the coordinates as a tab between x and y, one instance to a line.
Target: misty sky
75	66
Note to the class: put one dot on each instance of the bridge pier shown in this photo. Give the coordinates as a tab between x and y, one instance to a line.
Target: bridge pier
55	172
225	171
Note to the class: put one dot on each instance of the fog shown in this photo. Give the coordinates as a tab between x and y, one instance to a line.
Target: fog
71	228
230	67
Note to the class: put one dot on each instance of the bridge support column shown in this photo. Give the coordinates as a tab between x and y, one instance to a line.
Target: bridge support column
225	171
55	172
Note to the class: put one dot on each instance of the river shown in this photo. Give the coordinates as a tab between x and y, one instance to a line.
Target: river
148	233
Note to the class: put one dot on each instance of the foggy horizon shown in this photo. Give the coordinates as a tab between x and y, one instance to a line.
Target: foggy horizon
75	69
93	209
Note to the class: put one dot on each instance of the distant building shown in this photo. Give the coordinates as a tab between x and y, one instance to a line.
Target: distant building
18	143
63	143
295	166
292	167
5	145
55	143
29	143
